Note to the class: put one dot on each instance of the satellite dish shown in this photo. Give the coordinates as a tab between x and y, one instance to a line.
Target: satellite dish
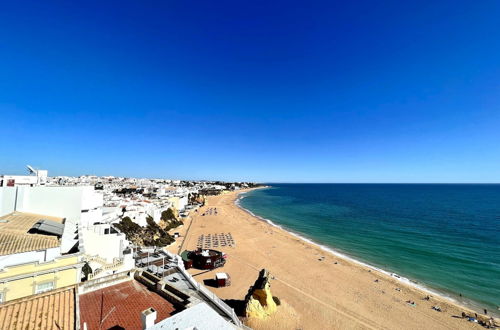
31	169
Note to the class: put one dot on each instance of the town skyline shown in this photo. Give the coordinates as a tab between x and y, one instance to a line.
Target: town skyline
22	171
268	92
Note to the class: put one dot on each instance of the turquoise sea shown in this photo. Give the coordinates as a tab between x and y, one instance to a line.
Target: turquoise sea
444	236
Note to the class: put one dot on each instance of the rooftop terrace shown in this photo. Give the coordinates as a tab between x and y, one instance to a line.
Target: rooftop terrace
121	305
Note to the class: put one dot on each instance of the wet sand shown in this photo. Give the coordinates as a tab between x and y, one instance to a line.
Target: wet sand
318	290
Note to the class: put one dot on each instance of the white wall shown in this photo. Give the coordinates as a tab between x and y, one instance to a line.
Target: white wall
106	246
89	218
154	212
7	200
21	179
139	217
64	202
60	201
183	201
31	256
91	199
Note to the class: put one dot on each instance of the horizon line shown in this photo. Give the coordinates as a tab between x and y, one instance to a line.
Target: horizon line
451	183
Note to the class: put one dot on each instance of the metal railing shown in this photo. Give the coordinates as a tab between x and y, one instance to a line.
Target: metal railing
96	282
208	294
204	291
117	263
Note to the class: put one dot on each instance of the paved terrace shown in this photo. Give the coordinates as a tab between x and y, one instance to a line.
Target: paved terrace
121	305
158	263
166	267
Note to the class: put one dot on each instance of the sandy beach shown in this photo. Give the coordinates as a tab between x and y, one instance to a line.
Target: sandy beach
318	290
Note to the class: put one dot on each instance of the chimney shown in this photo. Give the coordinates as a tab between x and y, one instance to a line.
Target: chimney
148	317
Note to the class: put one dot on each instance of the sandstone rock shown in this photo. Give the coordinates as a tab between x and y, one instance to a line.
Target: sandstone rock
259	302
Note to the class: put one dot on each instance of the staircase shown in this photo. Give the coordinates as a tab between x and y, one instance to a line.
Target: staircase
116	264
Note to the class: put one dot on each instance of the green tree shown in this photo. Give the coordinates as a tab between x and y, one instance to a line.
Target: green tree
169	214
86	270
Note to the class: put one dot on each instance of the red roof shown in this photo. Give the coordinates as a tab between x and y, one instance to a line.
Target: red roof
121	306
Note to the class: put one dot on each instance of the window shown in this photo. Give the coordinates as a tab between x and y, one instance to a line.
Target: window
44	287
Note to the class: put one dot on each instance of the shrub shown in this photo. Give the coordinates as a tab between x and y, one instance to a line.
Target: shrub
169	214
86	270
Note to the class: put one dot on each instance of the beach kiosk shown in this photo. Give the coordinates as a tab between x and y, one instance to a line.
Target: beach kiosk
203	259
222	279
207	259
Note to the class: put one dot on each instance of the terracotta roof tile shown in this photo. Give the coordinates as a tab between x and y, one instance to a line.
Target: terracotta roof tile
14	237
44	311
121	306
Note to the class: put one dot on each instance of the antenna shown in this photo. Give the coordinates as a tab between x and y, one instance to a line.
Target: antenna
31	169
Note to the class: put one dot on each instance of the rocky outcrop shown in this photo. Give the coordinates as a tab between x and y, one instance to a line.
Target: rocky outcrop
196	199
170	219
151	235
169	224
259	302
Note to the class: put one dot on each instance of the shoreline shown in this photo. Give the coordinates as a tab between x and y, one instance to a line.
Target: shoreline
318	288
470	304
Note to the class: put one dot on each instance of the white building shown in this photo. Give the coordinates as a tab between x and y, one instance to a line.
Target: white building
81	206
78	203
200	317
38	177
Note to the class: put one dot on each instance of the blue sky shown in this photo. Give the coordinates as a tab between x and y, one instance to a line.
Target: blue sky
281	91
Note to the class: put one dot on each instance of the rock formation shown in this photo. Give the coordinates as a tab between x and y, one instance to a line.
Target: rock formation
196	199
151	235
259	302
170	219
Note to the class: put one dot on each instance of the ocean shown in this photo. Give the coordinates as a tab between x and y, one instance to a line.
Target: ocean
445	237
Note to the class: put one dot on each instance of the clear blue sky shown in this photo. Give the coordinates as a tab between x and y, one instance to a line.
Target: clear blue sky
310	91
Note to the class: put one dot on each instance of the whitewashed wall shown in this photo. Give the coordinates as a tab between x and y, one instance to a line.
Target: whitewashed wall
31	256
7	200
106	246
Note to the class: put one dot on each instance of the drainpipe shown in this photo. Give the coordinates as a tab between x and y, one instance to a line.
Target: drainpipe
15	200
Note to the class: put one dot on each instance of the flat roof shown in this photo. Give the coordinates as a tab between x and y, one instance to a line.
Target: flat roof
51	310
121	305
14	236
200	317
222	276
